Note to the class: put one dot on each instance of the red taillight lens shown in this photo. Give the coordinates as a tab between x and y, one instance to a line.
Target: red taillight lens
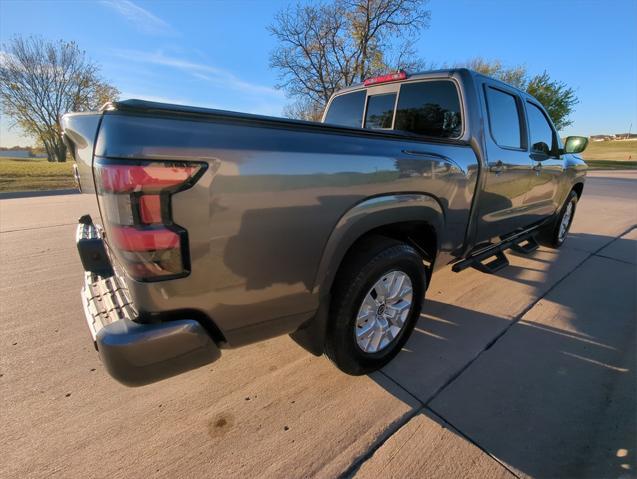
401	75
150	209
150	178
129	238
135	199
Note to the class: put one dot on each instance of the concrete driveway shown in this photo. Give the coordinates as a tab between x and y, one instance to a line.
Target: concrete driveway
530	372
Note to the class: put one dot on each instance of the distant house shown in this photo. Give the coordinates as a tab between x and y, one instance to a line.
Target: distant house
617	136
601	137
626	136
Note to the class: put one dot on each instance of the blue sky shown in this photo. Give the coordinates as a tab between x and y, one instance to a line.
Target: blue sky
215	53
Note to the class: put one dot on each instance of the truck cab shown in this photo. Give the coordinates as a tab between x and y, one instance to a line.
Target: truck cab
524	158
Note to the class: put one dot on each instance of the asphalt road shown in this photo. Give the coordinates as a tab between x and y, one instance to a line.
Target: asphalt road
529	372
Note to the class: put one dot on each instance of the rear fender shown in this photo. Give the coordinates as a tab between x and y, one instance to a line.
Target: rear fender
368	215
363	218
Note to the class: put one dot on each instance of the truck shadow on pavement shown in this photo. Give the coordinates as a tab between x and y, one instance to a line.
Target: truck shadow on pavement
547	387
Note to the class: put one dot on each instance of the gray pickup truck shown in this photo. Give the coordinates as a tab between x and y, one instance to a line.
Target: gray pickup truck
218	229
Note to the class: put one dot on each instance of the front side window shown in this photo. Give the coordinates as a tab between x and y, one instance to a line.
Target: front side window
504	118
542	136
380	111
430	108
347	110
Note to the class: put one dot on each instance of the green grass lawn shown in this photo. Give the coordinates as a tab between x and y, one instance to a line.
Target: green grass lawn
611	154
25	174
611	165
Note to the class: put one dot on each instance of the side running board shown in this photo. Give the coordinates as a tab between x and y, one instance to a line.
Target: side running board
527	247
493	259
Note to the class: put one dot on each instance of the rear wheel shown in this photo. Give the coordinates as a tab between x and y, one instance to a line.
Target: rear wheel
377	300
555	234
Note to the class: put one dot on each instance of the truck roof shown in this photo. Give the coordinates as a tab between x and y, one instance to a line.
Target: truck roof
436	73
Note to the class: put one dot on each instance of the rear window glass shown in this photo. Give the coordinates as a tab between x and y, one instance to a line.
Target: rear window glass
347	110
430	108
380	111
504	118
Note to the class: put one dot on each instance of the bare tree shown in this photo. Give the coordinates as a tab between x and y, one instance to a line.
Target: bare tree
330	45
303	110
41	80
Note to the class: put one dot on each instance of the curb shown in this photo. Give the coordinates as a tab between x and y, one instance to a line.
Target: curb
32	194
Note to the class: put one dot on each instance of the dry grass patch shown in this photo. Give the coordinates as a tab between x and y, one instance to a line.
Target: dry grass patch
25	174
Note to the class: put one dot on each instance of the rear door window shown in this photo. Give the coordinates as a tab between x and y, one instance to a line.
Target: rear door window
347	110
380	111
504	118
430	108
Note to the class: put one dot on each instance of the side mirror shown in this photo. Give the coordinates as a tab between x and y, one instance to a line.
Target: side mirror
575	144
540	151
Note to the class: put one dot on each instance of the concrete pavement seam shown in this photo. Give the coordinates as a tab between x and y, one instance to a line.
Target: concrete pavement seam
515	320
518	317
400	386
468	439
36	228
379	442
358	463
615	259
395	427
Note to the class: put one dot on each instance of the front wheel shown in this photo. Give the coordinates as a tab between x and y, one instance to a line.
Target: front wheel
555	234
377	300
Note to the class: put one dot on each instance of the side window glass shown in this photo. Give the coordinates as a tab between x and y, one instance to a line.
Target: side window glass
542	136
504	118
347	110
430	108
380	111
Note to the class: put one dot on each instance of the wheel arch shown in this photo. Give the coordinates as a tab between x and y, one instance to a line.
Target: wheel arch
415	218
578	188
396	216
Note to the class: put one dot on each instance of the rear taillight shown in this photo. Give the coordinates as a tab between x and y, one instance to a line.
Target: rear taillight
135	199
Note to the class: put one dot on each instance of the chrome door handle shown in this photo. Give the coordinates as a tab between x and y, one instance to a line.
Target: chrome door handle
497	167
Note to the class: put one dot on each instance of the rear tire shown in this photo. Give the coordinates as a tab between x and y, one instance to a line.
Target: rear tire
554	235
377	299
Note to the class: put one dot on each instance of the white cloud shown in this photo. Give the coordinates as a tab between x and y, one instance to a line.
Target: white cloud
140	17
211	74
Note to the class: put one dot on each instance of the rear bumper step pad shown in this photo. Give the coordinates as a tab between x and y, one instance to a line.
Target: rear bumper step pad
137	353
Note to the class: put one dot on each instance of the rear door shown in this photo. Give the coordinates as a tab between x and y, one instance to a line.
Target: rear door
547	166
508	176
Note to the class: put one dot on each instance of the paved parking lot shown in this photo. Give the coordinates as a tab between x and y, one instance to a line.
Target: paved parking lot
530	372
